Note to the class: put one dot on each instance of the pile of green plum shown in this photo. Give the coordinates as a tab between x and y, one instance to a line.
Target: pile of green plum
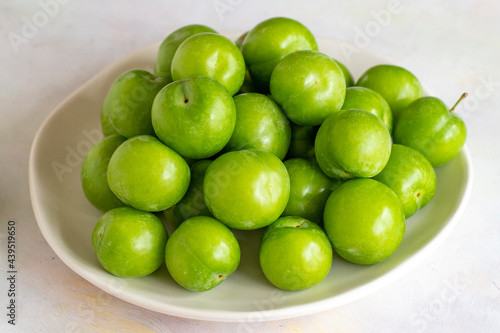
264	132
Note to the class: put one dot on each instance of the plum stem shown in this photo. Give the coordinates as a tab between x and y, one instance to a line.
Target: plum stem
458	102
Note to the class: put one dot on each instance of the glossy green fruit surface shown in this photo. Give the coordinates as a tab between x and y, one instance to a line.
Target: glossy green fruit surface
106	126
195	116
94	174
352	144
349	80
147	175
295	253
302	142
364	220
309	86
269	42
246	189
260	124
129	242
212	55
427	126
362	98
193	202
201	253
410	176
398	86
309	190
129	102
170	45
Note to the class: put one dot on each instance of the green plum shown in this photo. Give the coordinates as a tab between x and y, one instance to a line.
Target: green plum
352	144
269	42
147	175
349	80
246	189
201	253
410	175
362	98
106	125
129	242
195	116
94	174
364	220
309	86
295	253
309	190
302	142
426	125
129	102
212	55
193	203
240	40
398	86
171	43
260	124
248	85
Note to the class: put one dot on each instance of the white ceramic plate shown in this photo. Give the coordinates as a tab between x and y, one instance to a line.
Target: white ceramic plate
67	219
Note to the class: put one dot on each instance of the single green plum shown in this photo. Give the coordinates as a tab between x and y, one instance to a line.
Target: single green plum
349	80
201	253
398	86
428	126
193	203
302	142
352	144
269	42
295	253
364	220
129	102
171	43
94	174
309	190
147	175
246	189
260	124
362	98
129	242
212	55
410	175
309	86
195	117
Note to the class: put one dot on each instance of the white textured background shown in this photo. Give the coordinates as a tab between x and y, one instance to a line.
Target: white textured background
452	46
